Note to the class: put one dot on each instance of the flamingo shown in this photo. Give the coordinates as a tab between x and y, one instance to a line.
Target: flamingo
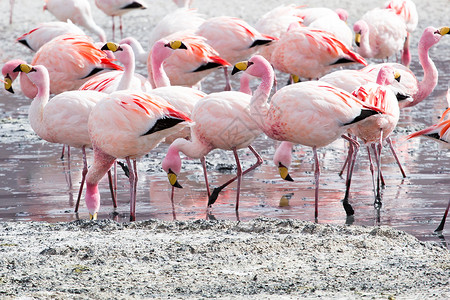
408	11
221	121
126	124
118	80
45	32
233	38
438	132
376	129
119	8
78	11
70	60
380	33
62	119
310	113
311	53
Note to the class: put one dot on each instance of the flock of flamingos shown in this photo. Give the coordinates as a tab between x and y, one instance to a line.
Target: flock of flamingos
99	102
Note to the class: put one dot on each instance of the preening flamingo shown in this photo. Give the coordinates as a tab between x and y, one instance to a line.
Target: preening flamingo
70	60
78	11
380	33
45	32
309	113
310	53
117	80
221	121
438	132
233	38
118	8
373	131
408	11
62	119
128	125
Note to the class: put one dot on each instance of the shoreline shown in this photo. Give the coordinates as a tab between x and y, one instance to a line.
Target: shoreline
256	259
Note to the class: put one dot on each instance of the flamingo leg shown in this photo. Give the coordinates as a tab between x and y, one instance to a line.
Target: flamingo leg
353	151
316	181
389	141
173	204
227	79
441	225
111	189
132	180
121	27
11	3
83	178
239	177
115	180
113	29
203	161
62	153
212	199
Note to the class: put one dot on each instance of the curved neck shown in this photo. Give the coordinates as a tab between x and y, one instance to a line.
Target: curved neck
430	75
364	47
129	68
258	104
36	111
283	154
193	148
158	56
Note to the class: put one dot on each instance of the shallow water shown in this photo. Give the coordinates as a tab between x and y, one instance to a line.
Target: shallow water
35	182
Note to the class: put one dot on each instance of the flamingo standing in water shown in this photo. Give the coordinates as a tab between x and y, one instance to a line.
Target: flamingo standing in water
310	113
115	8
233	38
221	121
78	11
126	124
439	132
408	11
63	119
70	60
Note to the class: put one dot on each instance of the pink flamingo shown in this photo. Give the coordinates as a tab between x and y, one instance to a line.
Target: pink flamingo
126	124
438	132
64	118
118	80
408	11
380	33
310	113
310	53
233	38
375	129
70	60
221	121
78	11
45	32
119	8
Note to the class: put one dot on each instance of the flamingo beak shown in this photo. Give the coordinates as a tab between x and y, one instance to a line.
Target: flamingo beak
173	179
284	173
358	39
8	84
111	46
93	217
397	76
444	30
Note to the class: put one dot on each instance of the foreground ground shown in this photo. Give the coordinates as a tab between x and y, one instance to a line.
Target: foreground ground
258	259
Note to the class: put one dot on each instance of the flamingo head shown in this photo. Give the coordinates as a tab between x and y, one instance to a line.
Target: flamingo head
387	75
92	199
256	66
342	13
9	74
171	164
360	28
432	36
282	160
37	74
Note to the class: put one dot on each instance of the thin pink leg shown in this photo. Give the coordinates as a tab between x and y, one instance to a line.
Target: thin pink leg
115	180
62	153
132	191
353	151
83	178
113	29
212	199
389	141
316	179
111	189
239	177
227	79
203	161
121	27
441	225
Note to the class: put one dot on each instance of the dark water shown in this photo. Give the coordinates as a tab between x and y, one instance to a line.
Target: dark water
35	182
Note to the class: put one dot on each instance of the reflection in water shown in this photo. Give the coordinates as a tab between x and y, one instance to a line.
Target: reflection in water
36	185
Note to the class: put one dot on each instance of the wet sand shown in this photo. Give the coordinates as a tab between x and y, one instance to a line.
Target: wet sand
259	259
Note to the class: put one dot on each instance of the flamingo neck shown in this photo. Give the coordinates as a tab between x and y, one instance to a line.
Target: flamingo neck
160	77
102	163
36	111
193	148
129	68
430	75
245	84
364	47
258	104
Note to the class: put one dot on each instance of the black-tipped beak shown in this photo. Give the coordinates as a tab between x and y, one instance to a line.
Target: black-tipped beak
17	69
183	46
173	179
284	173
235	70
